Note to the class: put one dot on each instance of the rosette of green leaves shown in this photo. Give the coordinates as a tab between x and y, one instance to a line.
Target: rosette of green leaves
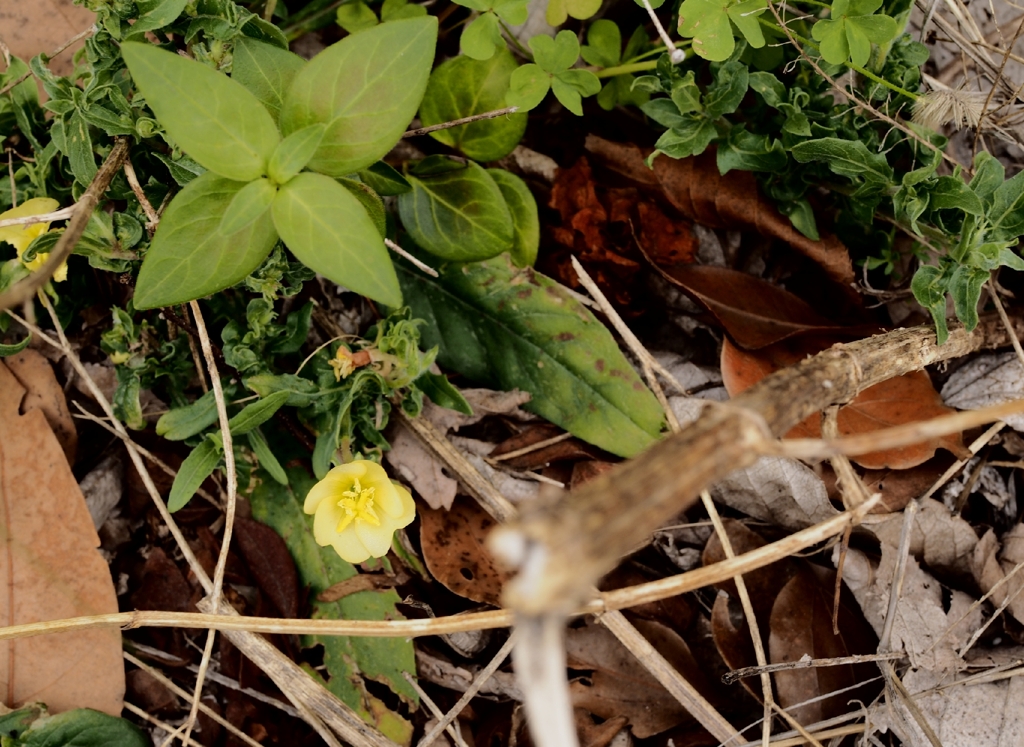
482	37
553	71
268	179
710	24
847	35
604	49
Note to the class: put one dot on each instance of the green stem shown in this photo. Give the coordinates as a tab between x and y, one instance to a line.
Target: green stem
633	67
655	51
857	68
518	44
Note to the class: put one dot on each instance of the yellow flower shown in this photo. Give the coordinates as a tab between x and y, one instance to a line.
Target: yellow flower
357	509
22	235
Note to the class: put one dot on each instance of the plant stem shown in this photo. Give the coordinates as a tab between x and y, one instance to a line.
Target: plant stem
633	67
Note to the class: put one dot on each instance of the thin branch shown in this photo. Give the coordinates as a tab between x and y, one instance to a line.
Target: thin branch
54	53
437	713
27	220
26	288
172	731
738	674
140	195
402	253
457	122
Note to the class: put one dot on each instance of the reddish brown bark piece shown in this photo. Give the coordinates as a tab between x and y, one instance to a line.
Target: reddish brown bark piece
453	548
696	188
49	570
904	399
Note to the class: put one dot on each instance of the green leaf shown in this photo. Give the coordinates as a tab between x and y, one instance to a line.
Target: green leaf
528	86
79	149
848	34
183	170
127	407
459	215
604	44
301	392
570	85
294	152
83	727
989	174
257	413
690	138
371	202
951	192
348	659
555	54
365	89
189	258
749	152
725	94
482	37
929	288
844	157
260	447
709	24
384	180
514	328
14	723
396	10
328	229
184	422
251	201
770	88
442	393
214	119
463	87
355	17
1006	217
198	465
525	218
559	10
6	350
685	94
965	288
266	71
155	14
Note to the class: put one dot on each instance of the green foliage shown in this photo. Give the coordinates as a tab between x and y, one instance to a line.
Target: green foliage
357	16
847	36
458	214
525	218
14	349
266	72
710	24
553	71
559	11
508	327
462	87
482	36
81	727
604	49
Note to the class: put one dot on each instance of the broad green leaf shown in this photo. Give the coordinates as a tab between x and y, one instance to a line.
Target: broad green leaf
459	215
301	392
214	119
396	10
371	202
686	95
198	465
951	192
512	12
749	152
559	10
965	290
929	288
294	152
14	723
770	88
845	157
183	170
1006	217
14	349
155	14
266	71
184	422
328	229
604	44
514	328
258	443
528	86
525	219
664	112
724	95
462	87
127	406
847	35
482	37
384	179
189	258
989	174
79	149
365	89
348	659
691	138
555	54
257	413
569	86
356	16
707	23
251	201
442	393
82	727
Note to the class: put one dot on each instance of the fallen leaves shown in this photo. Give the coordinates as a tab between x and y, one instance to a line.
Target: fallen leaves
987	380
50	565
695	187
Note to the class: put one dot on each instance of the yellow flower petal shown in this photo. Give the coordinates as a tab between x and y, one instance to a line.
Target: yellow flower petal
376	539
21	236
350	547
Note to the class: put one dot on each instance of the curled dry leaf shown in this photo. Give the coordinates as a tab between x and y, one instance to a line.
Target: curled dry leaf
695	187
991	567
51	569
940	539
904	399
42	392
455	553
987	380
417	465
619	685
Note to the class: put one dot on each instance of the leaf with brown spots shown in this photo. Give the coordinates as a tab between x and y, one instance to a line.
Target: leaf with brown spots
696	189
453	547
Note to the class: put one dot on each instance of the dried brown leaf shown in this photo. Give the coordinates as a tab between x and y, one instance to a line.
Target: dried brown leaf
44	393
42	26
51	569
